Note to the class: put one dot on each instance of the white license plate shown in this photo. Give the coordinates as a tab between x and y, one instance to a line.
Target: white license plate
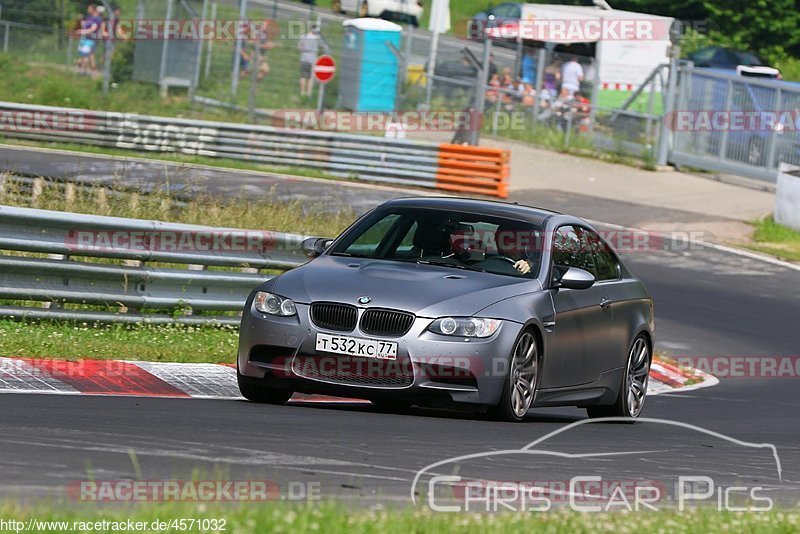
353	346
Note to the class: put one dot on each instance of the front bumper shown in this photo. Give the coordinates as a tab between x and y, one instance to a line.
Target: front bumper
429	369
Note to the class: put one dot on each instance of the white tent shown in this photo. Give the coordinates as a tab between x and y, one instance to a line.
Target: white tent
629	45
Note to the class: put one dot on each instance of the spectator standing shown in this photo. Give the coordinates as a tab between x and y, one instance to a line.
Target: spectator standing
260	38
118	32
309	46
91	28
528	95
529	68
571	77
552	77
101	35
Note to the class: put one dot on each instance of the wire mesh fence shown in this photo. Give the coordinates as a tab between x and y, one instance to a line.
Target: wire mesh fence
262	75
31	42
522	99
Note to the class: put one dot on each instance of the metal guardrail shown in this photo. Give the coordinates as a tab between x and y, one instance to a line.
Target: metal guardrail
124	291
373	158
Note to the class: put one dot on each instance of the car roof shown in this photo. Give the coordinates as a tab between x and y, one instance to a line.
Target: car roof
471	205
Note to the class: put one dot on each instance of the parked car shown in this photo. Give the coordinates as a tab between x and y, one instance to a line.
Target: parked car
743	62
493	17
405	10
448	301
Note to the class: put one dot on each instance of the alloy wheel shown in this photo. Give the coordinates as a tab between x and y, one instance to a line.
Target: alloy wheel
523	374
638	374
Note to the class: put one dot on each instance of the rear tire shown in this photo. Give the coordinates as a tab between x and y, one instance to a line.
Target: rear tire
633	388
521	380
254	390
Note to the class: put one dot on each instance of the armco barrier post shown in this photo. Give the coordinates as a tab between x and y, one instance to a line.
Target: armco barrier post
467	169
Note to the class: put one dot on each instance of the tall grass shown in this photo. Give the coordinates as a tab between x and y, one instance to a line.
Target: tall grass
239	211
356	518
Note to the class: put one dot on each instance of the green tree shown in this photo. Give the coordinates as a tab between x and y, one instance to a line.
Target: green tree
769	27
41	12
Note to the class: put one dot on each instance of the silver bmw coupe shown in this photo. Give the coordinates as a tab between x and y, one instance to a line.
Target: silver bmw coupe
451	302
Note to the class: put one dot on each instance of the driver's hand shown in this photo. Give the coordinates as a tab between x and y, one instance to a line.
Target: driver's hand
523	266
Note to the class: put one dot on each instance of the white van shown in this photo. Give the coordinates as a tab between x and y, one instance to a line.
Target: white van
407	10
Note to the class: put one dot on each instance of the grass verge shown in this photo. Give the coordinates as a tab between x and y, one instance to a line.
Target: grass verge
141	342
776	240
330	517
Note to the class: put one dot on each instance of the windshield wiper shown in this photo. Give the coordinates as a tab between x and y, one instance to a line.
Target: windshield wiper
447	264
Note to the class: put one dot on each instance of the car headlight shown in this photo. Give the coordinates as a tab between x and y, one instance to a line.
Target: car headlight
464	326
274	304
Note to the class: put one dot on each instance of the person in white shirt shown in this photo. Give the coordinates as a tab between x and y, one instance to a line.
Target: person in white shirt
571	77
309	46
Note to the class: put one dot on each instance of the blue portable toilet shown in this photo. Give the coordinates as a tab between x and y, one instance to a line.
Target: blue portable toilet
369	69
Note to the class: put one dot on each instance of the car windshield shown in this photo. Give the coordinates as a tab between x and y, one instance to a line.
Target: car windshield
438	237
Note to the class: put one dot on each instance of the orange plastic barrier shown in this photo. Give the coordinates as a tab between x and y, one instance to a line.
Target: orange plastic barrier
470	169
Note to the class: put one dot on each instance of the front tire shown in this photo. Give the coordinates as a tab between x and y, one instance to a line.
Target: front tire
254	390
521	380
633	389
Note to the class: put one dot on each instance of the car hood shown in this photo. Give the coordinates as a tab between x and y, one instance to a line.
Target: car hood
425	290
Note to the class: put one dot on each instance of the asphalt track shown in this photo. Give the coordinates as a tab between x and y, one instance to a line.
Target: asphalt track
708	303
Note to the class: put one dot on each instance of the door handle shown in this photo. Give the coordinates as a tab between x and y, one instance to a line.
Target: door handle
606	303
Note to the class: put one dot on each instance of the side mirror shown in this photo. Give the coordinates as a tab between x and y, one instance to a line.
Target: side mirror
314	246
576	278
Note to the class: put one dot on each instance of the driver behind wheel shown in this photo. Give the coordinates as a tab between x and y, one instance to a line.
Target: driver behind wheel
516	242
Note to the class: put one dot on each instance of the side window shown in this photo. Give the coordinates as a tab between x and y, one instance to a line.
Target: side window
570	249
605	262
507	11
367	244
407	243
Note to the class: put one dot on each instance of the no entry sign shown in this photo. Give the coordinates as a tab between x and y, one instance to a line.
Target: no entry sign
324	69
